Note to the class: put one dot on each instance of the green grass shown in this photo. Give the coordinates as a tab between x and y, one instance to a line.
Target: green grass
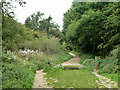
72	66
62	56
71	78
113	77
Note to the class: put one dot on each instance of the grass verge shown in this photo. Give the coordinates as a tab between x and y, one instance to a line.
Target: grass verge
60	78
113	77
72	66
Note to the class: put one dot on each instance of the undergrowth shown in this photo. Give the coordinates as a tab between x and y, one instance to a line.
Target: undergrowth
19	71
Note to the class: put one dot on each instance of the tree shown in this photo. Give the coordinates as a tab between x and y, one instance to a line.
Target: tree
110	34
8	7
33	21
37	22
92	27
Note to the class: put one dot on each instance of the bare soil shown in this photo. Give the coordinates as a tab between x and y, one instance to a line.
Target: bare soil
72	62
39	80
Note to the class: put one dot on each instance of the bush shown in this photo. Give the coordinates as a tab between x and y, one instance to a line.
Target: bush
60	57
19	68
84	56
109	64
16	36
18	73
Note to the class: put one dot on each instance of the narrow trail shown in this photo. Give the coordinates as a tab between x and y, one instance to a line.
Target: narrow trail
105	81
39	80
72	62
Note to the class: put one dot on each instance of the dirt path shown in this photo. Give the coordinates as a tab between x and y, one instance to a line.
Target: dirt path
104	81
72	62
39	80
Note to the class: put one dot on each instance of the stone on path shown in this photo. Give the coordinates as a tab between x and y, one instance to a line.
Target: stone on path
105	81
39	80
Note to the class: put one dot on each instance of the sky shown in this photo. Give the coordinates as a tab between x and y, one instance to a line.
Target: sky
55	8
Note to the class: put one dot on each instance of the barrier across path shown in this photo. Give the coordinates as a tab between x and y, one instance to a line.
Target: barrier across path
90	63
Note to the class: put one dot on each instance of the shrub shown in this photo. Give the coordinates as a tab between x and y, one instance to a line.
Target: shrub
109	64
18	73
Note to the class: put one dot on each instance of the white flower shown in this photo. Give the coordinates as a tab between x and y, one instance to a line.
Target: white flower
15	57
28	50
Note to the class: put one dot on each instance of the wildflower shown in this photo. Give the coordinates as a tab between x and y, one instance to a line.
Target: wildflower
28	50
24	63
15	57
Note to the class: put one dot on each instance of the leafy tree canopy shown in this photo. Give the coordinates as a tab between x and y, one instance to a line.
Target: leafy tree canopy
92	27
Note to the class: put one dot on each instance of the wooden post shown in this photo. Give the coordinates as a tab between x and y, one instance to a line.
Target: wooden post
96	61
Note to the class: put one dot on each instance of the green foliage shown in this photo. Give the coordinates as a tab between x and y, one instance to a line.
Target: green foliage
113	77
63	56
37	22
12	33
16	36
19	68
55	33
92	27
84	56
44	44
19	71
76	53
110	63
8	7
33	21
60	57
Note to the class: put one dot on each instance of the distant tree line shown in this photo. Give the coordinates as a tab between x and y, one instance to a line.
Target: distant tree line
37	22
